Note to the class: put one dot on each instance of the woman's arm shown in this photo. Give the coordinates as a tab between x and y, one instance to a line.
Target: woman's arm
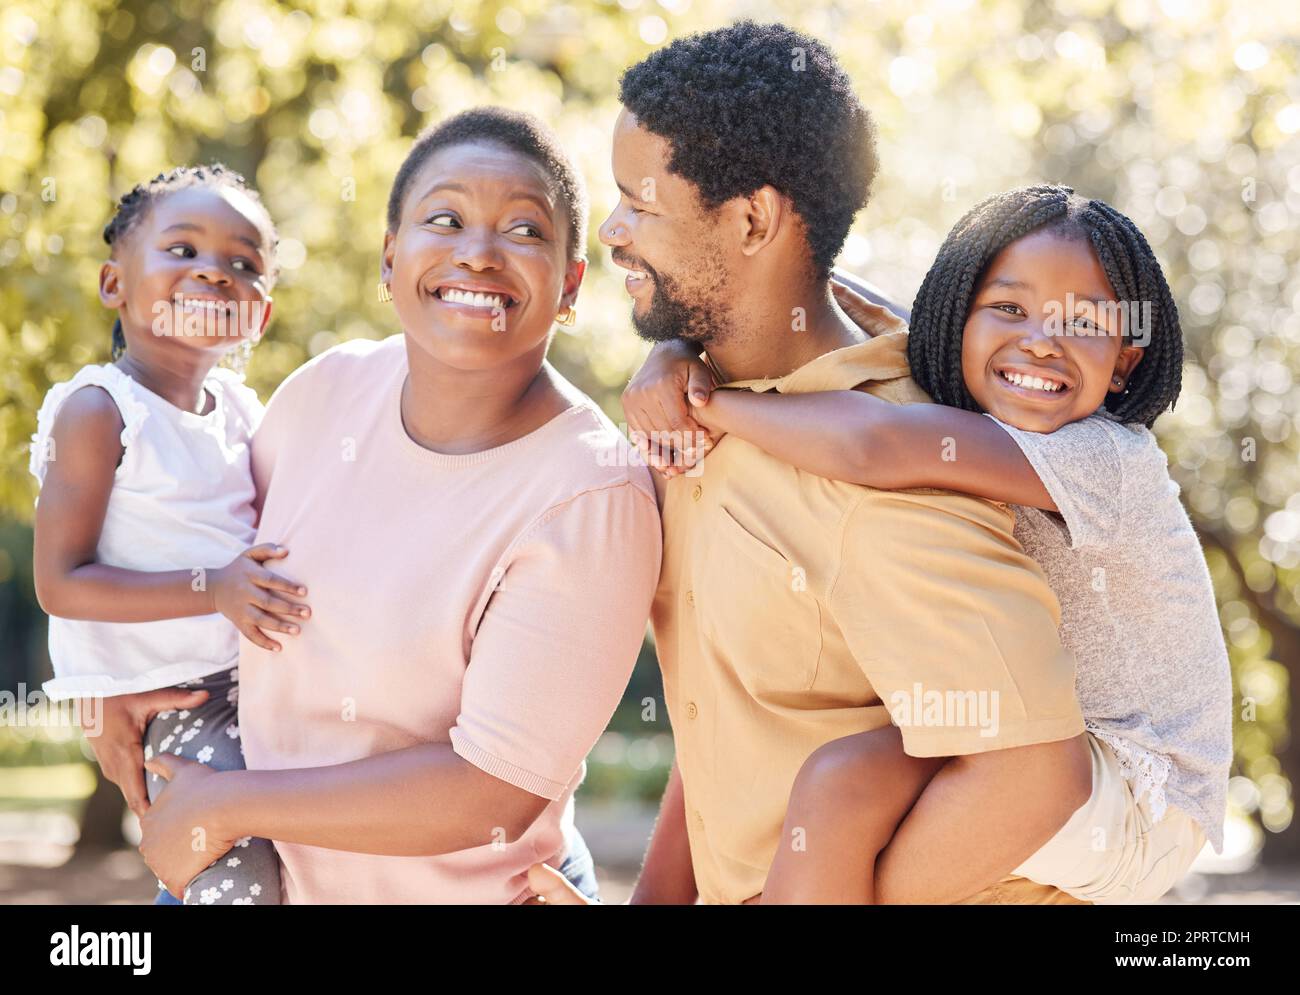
419	801
852	436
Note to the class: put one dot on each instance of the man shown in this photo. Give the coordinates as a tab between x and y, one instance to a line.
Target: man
791	608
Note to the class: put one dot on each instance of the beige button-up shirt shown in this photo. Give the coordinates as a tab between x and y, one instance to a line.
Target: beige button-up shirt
793	610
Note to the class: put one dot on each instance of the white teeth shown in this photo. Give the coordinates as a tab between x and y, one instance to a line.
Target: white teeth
203	306
454	296
1033	383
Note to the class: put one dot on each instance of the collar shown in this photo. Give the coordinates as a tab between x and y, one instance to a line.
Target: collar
881	357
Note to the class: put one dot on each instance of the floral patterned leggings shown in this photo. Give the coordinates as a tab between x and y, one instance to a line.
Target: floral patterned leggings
250	873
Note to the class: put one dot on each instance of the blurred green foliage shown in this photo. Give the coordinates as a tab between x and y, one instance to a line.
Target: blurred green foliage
1183	113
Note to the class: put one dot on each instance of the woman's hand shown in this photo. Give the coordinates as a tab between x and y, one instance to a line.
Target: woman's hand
179	833
243	591
553	888
665	426
114	728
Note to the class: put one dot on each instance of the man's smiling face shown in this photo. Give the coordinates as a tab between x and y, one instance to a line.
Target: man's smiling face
673	246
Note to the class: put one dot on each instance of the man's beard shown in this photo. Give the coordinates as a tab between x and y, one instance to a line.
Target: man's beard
668	316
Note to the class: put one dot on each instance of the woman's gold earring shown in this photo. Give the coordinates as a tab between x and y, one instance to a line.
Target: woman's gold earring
385	294
568	317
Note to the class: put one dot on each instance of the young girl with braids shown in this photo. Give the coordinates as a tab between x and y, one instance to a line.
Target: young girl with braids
1045	395
147	506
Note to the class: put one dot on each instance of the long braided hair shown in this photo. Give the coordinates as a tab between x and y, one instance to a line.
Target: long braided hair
942	304
135	204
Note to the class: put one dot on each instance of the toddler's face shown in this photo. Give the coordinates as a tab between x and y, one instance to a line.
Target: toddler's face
193	272
1044	341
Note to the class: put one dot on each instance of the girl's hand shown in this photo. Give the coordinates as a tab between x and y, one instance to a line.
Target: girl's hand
242	591
553	888
861	311
179	837
115	728
663	424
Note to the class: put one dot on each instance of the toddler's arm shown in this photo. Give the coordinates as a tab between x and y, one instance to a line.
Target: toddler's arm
70	516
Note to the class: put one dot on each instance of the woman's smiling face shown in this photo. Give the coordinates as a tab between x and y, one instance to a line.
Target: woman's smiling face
1043	343
479	264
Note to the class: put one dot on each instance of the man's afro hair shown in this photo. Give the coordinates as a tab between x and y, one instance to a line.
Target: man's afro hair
754	104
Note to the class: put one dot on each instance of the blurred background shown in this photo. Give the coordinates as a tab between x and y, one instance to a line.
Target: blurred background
1185	114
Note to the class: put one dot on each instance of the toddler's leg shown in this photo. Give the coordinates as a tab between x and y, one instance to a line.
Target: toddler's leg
976	821
846	802
250	873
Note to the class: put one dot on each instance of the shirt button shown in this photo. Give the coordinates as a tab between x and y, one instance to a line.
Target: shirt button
691	710
696	492
690	598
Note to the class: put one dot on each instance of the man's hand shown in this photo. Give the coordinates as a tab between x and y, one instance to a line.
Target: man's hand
664	426
245	592
179	835
115	729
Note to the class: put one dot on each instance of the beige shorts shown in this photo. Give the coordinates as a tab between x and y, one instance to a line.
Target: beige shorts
1112	852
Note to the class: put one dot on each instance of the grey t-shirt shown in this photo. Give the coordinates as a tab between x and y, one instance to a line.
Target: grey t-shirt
1137	610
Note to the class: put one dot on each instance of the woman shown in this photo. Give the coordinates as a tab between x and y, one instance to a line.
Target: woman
478	550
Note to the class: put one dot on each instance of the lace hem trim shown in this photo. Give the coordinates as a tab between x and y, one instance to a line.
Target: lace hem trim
1147	770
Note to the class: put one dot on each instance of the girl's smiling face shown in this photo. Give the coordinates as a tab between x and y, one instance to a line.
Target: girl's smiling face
479	266
187	267
1044	344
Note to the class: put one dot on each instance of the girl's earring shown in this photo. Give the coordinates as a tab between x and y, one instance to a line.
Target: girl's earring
1117	381
385	294
568	317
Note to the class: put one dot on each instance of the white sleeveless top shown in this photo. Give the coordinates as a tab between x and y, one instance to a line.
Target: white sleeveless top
182	499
